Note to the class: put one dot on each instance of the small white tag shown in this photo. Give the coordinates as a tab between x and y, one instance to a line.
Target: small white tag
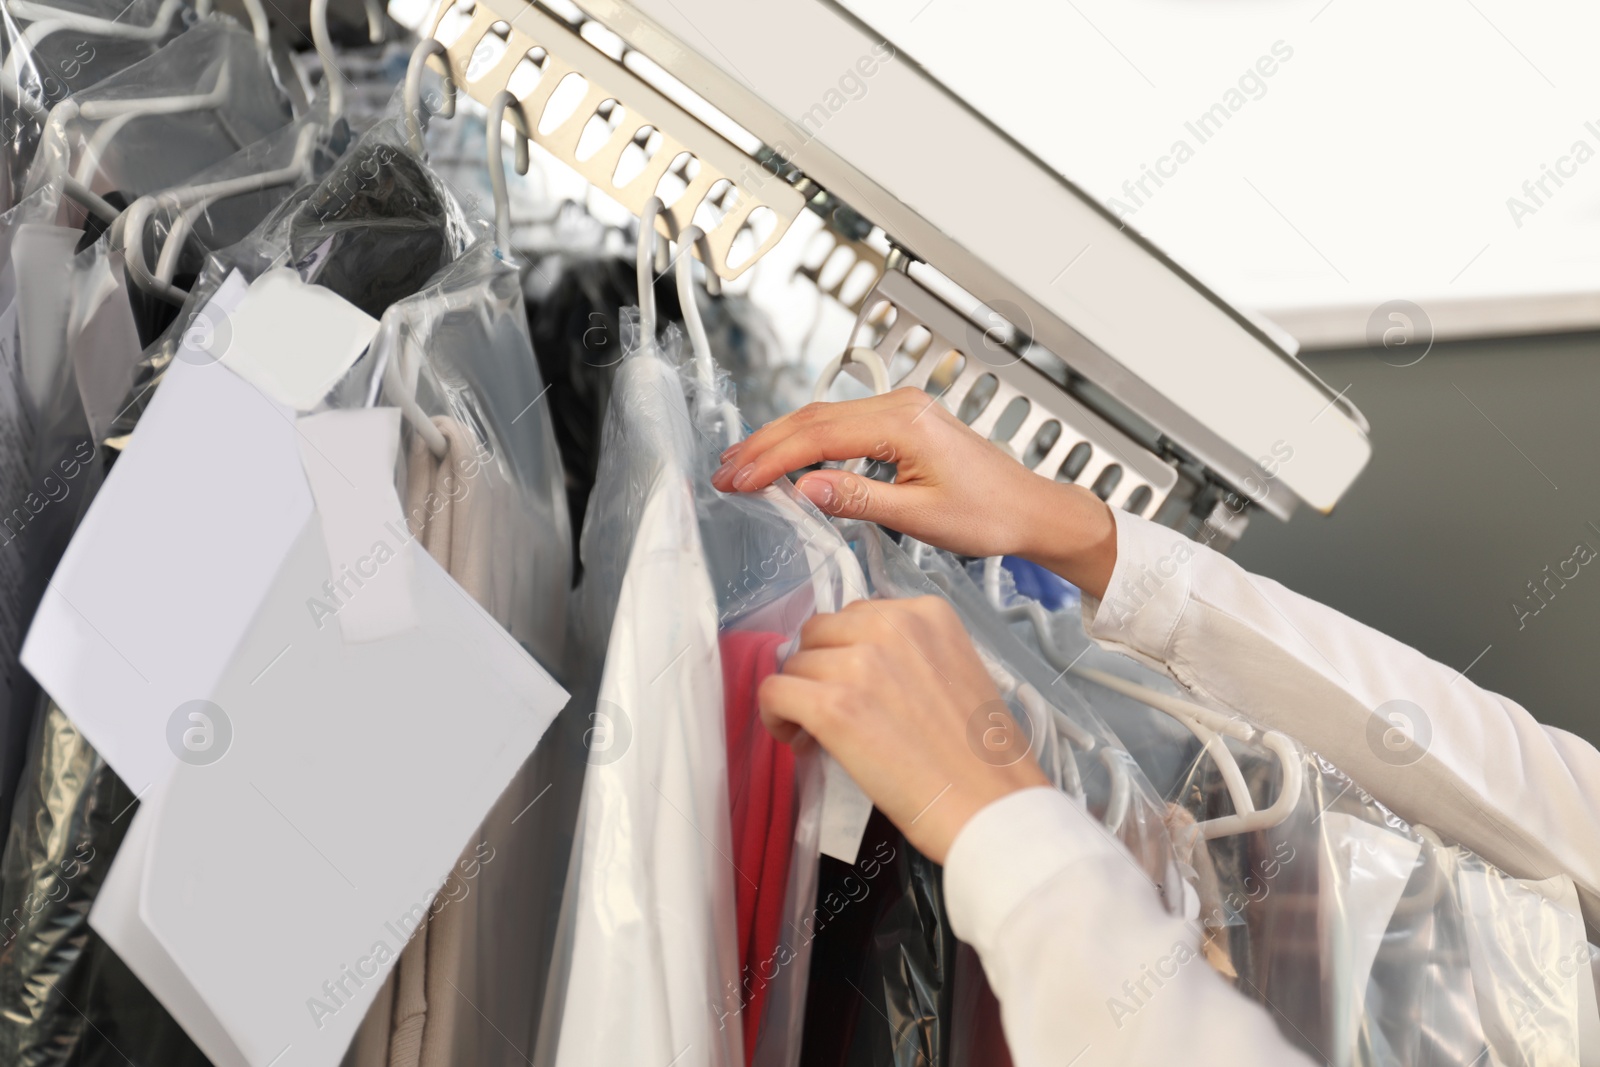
291	340
845	813
349	459
845	808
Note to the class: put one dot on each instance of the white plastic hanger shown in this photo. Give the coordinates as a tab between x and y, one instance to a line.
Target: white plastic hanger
114	116
258	19
864	356
497	166
187	202
331	74
413	93
1209	726
323	42
48	20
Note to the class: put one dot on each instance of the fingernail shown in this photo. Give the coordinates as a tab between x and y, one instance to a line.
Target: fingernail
727	453
720	473
819	492
742	479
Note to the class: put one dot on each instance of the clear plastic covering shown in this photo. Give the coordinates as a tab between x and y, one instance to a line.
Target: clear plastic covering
50	51
462	344
1072	741
19	419
209	93
1372	942
647	917
68	998
374	229
769	562
932	1002
459	349
455	358
775	561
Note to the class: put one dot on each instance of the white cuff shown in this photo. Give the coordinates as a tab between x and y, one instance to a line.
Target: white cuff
1006	852
1148	591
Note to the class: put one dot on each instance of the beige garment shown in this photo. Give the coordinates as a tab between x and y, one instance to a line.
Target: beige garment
1193	852
414	1021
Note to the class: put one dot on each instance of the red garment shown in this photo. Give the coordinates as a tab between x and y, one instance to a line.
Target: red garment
761	798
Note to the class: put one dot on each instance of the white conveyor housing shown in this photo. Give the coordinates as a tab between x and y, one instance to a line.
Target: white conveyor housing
1133	377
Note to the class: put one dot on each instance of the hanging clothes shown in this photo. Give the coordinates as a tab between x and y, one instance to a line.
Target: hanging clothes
492	512
648	914
71	790
761	776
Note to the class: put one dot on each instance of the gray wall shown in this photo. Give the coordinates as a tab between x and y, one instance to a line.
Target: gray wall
1458	510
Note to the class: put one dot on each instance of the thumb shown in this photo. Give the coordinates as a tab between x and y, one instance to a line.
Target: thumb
851	496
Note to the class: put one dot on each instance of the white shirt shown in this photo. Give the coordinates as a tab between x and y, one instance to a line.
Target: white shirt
1066	926
647	968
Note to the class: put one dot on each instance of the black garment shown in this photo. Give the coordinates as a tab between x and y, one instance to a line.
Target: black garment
374	231
66	997
881	992
577	338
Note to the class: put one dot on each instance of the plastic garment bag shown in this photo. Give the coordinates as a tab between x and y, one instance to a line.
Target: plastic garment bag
18	421
574	314
104	373
71	788
1073	740
647	924
47	53
460	347
68	998
374	229
775	561
82	372
882	966
200	99
916	976
1358	930
492	511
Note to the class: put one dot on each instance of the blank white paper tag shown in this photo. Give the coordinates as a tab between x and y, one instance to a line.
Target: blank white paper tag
845	808
349	459
291	340
845	813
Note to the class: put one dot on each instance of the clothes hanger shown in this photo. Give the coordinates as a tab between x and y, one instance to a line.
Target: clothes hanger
114	116
331	73
413	94
397	376
258	19
1208	726
323	42
187	202
497	166
49	20
862	355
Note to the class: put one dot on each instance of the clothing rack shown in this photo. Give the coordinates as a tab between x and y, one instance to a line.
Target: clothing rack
1067	307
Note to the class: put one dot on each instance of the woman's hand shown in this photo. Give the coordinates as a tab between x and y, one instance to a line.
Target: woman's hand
896	692
952	488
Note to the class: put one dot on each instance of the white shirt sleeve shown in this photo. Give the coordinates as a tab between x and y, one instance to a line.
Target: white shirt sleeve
1086	964
1418	735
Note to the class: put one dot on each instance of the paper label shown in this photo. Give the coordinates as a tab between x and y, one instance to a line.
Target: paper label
846	810
349	460
170	562
291	340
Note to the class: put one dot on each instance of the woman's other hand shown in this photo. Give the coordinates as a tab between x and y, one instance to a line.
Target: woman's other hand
952	488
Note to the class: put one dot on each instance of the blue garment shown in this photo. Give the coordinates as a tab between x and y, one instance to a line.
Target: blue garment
1034	581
